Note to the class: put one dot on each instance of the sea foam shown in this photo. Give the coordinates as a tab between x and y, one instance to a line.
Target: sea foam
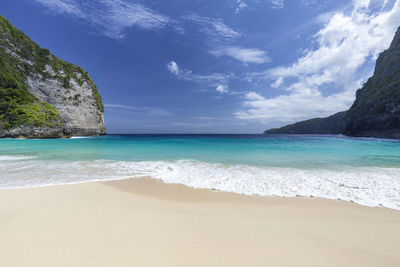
370	186
12	158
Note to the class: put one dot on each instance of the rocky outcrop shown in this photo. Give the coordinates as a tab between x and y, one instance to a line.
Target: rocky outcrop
374	113
42	96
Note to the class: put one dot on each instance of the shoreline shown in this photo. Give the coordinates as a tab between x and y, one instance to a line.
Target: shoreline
160	181
146	222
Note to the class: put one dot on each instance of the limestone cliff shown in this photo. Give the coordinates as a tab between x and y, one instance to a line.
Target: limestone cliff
42	95
374	113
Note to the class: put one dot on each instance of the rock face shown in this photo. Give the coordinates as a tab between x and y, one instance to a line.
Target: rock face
376	110
42	96
374	113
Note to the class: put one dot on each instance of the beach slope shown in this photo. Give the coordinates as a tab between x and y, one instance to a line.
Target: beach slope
143	222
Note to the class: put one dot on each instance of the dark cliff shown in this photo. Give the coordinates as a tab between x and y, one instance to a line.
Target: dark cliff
331	125
374	113
376	110
42	96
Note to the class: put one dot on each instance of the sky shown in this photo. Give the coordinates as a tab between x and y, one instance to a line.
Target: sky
226	66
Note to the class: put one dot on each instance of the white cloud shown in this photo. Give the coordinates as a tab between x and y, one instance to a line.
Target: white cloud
215	28
146	111
111	17
241	4
210	80
173	67
345	43
293	107
222	88
63	6
277	4
277	83
246	55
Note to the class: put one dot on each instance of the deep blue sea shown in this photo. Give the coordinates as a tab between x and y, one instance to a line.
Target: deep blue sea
366	171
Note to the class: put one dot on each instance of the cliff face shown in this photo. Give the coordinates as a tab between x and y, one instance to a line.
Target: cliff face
374	113
376	110
42	95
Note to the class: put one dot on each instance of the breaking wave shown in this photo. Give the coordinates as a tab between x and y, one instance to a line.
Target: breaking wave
370	186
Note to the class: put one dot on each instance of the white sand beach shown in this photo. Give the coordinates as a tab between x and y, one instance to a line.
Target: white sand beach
143	222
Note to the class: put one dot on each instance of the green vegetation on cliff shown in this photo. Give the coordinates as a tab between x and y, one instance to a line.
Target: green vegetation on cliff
331	125
17	105
21	58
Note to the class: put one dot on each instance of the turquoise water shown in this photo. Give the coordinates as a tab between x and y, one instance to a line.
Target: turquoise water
282	151
366	171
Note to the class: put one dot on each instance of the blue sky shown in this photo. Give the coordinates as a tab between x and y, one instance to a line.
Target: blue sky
233	66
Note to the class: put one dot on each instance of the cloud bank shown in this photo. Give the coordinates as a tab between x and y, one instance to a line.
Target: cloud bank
346	42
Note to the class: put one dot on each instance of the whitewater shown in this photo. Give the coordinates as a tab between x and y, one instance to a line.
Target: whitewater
365	171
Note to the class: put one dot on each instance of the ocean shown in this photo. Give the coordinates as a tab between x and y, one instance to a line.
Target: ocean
362	170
